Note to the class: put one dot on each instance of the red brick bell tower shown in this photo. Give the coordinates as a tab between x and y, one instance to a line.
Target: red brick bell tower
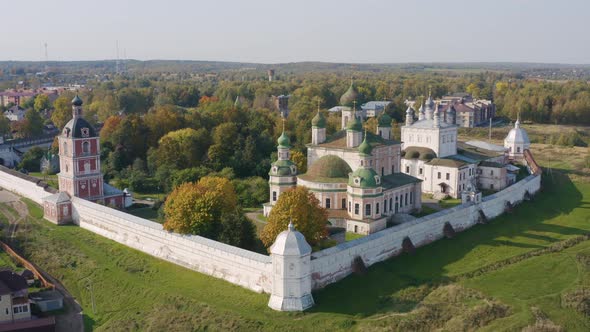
79	158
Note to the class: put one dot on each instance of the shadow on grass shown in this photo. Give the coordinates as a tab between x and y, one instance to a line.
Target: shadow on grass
507	236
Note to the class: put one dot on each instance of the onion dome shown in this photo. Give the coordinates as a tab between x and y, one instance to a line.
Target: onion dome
385	120
517	135
318	120
349	96
354	123
365	148
332	167
364	178
290	243
77	101
284	141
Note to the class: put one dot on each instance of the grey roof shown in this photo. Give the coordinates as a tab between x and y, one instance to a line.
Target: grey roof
110	190
60	197
447	162
396	180
290	243
13	280
375	105
75	125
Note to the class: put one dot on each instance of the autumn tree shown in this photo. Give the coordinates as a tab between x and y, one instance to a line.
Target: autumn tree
41	102
300	161
62	111
161	120
208	208
183	148
301	207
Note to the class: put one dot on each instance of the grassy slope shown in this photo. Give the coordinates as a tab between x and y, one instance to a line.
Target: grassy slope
136	292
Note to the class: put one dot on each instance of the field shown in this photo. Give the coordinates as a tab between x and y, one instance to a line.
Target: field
528	269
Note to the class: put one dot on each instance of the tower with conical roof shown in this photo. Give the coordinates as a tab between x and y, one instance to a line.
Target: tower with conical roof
517	141
283	172
318	128
409	116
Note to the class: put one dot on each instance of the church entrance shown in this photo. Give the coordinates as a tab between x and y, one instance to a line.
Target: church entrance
443	187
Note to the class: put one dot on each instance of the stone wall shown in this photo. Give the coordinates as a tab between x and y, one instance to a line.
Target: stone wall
24	185
333	264
238	266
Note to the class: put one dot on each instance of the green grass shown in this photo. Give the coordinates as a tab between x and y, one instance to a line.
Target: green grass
449	203
424	211
9	209
146	213
50	179
6	261
436	288
353	236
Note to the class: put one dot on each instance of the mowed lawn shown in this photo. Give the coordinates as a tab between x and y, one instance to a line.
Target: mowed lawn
427	290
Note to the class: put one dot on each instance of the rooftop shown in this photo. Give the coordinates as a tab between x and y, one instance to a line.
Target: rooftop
397	180
476	153
447	162
338	141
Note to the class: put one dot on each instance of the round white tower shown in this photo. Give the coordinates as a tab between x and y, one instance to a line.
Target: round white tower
517	141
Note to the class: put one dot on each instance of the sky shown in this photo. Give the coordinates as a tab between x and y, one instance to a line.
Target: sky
265	31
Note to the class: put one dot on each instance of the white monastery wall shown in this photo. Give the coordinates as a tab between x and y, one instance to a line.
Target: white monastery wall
23	187
333	264
238	266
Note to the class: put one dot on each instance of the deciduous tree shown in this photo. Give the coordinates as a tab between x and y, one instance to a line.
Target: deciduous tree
301	207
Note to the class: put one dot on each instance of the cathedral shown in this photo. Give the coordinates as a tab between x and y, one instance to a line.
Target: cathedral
355	175
80	175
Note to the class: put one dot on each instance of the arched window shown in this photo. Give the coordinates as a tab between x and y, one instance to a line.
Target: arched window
65	148
86	147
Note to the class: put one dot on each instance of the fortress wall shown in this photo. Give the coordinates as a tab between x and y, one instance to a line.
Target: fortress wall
238	266
22	184
333	264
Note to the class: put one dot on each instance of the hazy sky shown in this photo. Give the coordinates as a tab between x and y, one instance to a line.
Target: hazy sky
299	30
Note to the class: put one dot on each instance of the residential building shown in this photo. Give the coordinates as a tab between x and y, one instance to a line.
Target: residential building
14	301
15	113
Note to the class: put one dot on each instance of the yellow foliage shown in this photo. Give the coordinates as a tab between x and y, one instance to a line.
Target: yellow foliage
302	208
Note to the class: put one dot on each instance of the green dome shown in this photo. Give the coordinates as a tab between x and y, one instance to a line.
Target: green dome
77	101
284	141
329	167
319	120
385	120
354	124
282	168
367	178
418	152
349	96
365	148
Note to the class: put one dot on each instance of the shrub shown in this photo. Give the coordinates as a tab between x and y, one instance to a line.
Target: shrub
578	299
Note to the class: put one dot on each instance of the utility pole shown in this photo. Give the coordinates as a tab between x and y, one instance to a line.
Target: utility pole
490	134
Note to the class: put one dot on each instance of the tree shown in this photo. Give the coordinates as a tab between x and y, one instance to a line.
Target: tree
31	125
300	161
62	111
237	230
41	103
161	120
301	207
4	125
197	208
31	160
183	148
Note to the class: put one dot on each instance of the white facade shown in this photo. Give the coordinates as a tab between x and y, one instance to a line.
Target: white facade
517	141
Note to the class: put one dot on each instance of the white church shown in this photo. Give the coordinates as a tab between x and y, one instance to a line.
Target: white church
364	178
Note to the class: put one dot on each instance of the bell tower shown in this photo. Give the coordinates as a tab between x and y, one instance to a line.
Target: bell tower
79	157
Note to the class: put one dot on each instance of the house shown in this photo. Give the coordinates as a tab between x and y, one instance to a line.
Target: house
14	301
15	113
29	276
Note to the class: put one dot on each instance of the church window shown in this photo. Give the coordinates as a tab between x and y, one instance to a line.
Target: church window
356	208
376	208
408	169
411	197
390	203
380	133
492	172
377	179
361	163
85	132
349	206
367	210
492	186
274	196
385	206
344	203
420	170
438	175
327	203
396	204
518	149
448	176
382	171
